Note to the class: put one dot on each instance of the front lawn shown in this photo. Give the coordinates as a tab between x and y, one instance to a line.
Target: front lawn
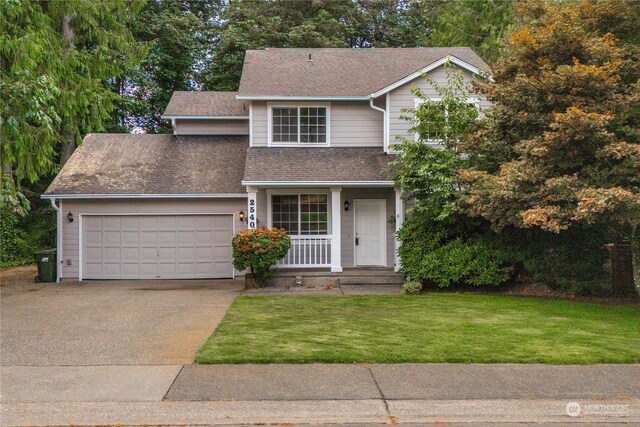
436	327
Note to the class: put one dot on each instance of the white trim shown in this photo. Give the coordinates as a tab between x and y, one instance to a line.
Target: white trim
80	230
319	183
298	105
399	221
383	202
298	191
59	257
80	233
173	118
387	142
335	206
146	196
251	124
447	59
303	98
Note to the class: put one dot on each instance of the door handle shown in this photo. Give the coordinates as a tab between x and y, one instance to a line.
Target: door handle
357	241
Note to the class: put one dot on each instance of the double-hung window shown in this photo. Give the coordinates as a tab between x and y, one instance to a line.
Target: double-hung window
300	214
299	125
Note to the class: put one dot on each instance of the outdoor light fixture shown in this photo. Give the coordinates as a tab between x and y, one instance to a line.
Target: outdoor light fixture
241	216
346	205
70	217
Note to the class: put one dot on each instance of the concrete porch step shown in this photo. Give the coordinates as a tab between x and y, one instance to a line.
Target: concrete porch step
368	280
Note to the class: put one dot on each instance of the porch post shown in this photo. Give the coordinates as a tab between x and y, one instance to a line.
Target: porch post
336	234
399	221
252	207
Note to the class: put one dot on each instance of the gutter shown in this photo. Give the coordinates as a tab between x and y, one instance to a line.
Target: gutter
145	196
319	183
58	238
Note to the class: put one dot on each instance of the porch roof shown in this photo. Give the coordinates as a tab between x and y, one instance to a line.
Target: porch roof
317	165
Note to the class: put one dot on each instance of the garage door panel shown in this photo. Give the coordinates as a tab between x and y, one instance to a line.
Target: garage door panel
131	255
167	238
185	238
185	223
157	246
148	222
185	254
149	239
109	269
93	238
111	238
166	222
130	238
130	223
111	223
204	238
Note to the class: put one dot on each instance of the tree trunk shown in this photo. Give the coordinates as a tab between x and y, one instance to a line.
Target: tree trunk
68	147
69	141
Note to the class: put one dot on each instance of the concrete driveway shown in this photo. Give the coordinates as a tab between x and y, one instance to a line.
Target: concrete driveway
112	322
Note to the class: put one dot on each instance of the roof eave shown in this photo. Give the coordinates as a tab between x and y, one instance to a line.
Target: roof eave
183	117
302	98
144	196
375	183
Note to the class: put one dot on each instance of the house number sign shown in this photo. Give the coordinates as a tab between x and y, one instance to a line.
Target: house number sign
251	218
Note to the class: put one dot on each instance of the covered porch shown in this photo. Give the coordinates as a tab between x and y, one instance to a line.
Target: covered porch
337	228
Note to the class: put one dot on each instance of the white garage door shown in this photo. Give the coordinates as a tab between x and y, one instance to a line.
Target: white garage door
156	246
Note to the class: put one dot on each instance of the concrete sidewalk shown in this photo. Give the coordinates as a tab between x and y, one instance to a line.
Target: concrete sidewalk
320	393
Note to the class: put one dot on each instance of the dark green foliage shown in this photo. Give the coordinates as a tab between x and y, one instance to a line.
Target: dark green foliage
572	261
453	252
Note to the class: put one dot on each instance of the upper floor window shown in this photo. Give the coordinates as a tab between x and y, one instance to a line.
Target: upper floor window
438	120
299	125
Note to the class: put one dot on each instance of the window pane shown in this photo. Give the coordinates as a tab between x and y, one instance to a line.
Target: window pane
285	124
313	126
285	213
313	214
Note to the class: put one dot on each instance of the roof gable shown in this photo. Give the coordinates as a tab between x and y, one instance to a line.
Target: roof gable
341	73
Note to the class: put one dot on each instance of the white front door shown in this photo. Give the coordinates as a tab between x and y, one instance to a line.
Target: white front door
370	232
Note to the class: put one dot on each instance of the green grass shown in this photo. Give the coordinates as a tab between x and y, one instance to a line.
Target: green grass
435	327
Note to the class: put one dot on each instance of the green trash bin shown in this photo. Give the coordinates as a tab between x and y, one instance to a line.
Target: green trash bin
47	263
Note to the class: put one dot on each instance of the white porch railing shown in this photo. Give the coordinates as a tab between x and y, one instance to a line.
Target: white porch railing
308	251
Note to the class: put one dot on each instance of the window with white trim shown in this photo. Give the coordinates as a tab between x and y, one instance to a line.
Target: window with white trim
299	125
300	214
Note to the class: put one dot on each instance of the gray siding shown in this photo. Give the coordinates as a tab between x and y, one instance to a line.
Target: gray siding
212	127
259	124
352	124
70	230
402	97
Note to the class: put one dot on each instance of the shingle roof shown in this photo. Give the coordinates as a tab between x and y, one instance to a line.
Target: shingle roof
196	103
316	164
153	164
338	72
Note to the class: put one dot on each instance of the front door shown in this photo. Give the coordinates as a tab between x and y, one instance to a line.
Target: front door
370	236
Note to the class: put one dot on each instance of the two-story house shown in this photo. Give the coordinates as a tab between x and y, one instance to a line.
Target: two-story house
303	145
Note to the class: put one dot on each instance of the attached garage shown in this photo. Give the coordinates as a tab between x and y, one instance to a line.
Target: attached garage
150	207
156	246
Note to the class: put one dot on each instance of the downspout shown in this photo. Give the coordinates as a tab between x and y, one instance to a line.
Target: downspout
58	239
384	122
